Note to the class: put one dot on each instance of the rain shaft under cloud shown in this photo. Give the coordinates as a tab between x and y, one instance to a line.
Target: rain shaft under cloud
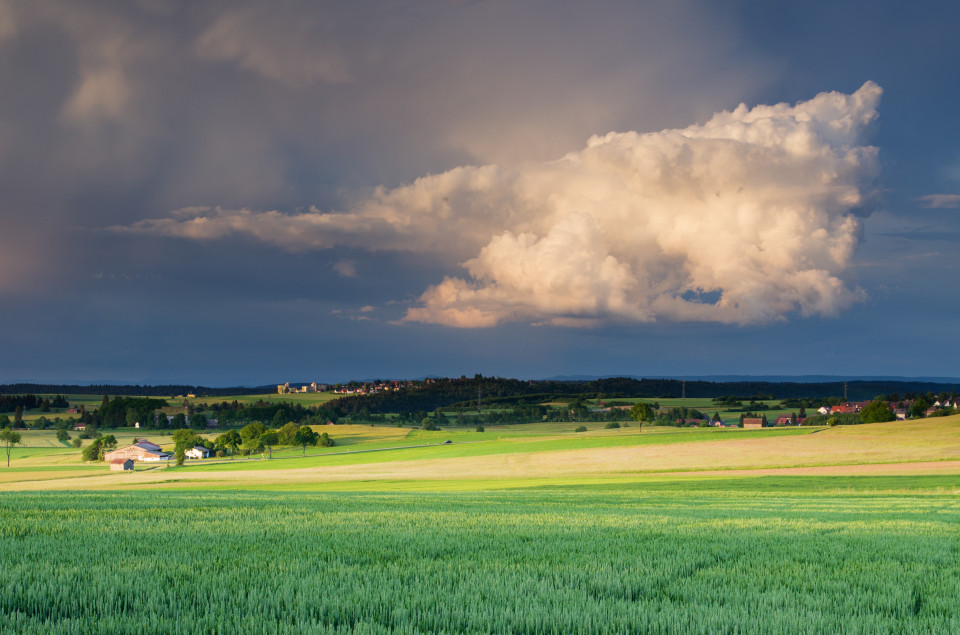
744	219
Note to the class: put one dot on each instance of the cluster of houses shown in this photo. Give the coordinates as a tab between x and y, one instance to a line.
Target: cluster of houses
143	450
287	389
372	388
349	389
899	408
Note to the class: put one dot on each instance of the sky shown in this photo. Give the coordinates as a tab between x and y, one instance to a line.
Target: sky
245	193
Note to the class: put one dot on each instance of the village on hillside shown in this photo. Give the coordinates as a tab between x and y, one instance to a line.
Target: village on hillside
352	388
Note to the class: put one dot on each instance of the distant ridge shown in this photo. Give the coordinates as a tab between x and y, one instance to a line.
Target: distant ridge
131	390
791	379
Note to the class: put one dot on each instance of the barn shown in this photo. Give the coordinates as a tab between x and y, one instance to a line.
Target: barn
138	452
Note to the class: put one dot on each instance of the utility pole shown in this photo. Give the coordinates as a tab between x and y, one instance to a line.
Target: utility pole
683	389
844	392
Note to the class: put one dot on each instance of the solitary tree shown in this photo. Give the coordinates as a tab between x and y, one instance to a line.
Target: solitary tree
269	439
230	439
641	412
305	436
288	433
9	438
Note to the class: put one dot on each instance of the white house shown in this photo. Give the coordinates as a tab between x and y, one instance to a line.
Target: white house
197	452
823	410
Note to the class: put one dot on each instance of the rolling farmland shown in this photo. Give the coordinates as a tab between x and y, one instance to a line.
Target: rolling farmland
521	529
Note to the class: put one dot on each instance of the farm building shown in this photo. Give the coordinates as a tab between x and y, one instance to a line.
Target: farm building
121	465
752	422
143	443
138	452
788	421
198	452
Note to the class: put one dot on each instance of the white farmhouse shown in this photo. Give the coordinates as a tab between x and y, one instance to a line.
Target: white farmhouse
197	452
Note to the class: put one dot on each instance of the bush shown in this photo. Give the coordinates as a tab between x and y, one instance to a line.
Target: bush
843	419
428	424
479	428
76	442
583	429
876	412
609	426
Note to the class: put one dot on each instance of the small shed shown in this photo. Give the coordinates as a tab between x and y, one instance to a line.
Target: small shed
753	422
121	465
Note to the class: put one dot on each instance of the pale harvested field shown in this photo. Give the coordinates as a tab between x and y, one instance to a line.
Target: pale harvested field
895	448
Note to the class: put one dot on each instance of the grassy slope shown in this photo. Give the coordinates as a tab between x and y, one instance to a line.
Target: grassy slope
526	455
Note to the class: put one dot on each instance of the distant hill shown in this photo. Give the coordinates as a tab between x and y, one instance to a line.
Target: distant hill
444	393
795	379
130	390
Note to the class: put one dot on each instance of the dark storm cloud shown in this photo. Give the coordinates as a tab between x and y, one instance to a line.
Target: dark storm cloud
117	112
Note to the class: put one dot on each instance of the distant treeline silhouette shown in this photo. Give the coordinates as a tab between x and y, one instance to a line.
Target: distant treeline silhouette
463	392
131	390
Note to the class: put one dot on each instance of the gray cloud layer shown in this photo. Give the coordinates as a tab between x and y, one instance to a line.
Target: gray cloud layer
117	111
756	205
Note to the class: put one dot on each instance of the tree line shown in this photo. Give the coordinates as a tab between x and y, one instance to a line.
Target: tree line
464	392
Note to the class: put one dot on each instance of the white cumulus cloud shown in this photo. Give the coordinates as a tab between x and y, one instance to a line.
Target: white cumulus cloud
746	218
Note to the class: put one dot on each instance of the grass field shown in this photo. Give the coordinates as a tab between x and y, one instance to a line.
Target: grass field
769	555
519	529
